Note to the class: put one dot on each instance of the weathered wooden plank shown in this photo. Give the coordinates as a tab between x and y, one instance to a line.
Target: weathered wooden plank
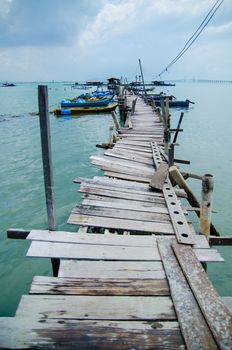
123	169
118	175
214	310
107	192
100	286
208	255
192	323
126	204
157	180
50	334
119	185
135	143
121	214
96	308
92	238
141	132
107	160
112	269
123	224
128	152
130	156
125	147
46	249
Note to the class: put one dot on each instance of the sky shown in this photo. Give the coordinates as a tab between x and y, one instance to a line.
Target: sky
79	40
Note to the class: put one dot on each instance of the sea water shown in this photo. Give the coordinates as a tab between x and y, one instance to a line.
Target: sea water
206	142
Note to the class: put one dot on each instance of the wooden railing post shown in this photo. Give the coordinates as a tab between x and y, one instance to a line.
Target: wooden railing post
206	204
47	163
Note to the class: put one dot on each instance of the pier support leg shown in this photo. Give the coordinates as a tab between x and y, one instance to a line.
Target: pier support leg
47	163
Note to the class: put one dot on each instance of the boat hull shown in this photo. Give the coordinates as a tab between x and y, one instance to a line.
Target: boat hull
174	103
86	103
84	110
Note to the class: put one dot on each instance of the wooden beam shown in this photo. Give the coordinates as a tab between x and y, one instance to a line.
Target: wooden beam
192	323
17	233
212	307
222	240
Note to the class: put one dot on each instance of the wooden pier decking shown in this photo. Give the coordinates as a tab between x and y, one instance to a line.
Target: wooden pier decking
137	283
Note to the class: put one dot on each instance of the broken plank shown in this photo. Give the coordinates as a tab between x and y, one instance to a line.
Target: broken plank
92	238
214	310
158	179
130	225
192	323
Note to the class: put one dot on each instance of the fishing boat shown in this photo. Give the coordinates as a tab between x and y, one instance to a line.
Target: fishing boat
85	110
7	85
175	103
162	83
160	97
81	102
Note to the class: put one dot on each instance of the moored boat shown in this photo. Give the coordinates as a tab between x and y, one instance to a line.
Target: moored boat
162	83
85	110
175	103
81	102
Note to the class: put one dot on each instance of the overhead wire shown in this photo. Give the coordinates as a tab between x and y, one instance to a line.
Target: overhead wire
195	35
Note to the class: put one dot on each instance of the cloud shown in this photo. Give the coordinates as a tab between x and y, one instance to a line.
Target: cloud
43	22
85	39
4	7
220	29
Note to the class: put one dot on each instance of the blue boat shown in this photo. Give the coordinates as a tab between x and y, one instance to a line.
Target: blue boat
175	103
81	102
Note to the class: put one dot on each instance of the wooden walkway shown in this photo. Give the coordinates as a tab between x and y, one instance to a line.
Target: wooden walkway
136	284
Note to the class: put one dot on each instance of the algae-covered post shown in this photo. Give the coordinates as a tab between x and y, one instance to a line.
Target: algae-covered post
206	204
47	163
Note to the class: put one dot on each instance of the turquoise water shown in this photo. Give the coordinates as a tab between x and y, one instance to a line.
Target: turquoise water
206	141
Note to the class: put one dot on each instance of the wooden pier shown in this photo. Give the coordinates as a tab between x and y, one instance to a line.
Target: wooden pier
132	276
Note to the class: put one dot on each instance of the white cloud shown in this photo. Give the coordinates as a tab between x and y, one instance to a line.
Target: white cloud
221	29
122	17
111	20
5	7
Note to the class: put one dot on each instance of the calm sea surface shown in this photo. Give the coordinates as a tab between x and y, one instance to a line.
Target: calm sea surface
206	142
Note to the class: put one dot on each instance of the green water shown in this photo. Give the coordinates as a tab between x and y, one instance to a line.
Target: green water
206	142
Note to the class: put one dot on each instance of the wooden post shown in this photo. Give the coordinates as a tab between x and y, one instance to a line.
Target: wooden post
206	204
178	127
163	112
171	154
167	114
145	92
111	128
133	106
116	123
47	163
179	179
